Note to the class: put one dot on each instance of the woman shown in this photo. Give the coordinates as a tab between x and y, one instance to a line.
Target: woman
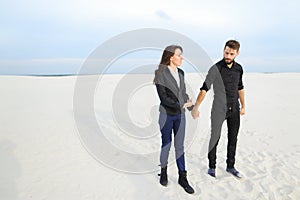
170	85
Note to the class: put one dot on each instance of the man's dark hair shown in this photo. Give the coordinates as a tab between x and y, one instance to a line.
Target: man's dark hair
233	44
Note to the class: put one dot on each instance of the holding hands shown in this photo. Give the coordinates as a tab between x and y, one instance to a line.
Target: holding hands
195	113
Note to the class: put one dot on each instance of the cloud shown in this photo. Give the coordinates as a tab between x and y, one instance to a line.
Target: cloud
162	15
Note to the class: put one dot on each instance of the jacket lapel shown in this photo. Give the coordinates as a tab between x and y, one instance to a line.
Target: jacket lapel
172	79
181	79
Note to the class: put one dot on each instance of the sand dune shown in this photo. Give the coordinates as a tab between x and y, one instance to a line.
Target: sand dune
49	149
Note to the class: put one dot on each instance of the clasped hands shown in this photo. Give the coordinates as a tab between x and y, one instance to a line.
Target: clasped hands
195	113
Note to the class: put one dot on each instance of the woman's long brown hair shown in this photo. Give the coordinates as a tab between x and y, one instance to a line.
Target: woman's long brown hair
165	59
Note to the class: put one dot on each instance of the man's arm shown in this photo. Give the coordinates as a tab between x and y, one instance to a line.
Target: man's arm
242	100
213	72
201	96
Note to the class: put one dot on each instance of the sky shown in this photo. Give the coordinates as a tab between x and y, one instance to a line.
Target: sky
56	37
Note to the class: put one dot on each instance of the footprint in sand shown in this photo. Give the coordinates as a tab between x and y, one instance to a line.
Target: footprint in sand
285	190
250	173
197	189
259	195
265	186
248	132
266	140
247	186
297	148
222	191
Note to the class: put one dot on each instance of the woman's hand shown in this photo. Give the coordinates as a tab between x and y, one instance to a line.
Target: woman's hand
188	103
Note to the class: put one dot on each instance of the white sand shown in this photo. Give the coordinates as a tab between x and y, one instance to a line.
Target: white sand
43	157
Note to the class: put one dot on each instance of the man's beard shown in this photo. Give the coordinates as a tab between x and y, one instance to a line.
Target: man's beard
228	61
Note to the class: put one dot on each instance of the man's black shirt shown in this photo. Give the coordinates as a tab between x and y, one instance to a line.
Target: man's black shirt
226	84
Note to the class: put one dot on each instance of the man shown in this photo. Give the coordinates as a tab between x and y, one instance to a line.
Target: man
226	78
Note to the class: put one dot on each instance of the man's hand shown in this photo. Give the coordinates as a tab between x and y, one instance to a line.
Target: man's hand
195	113
242	111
